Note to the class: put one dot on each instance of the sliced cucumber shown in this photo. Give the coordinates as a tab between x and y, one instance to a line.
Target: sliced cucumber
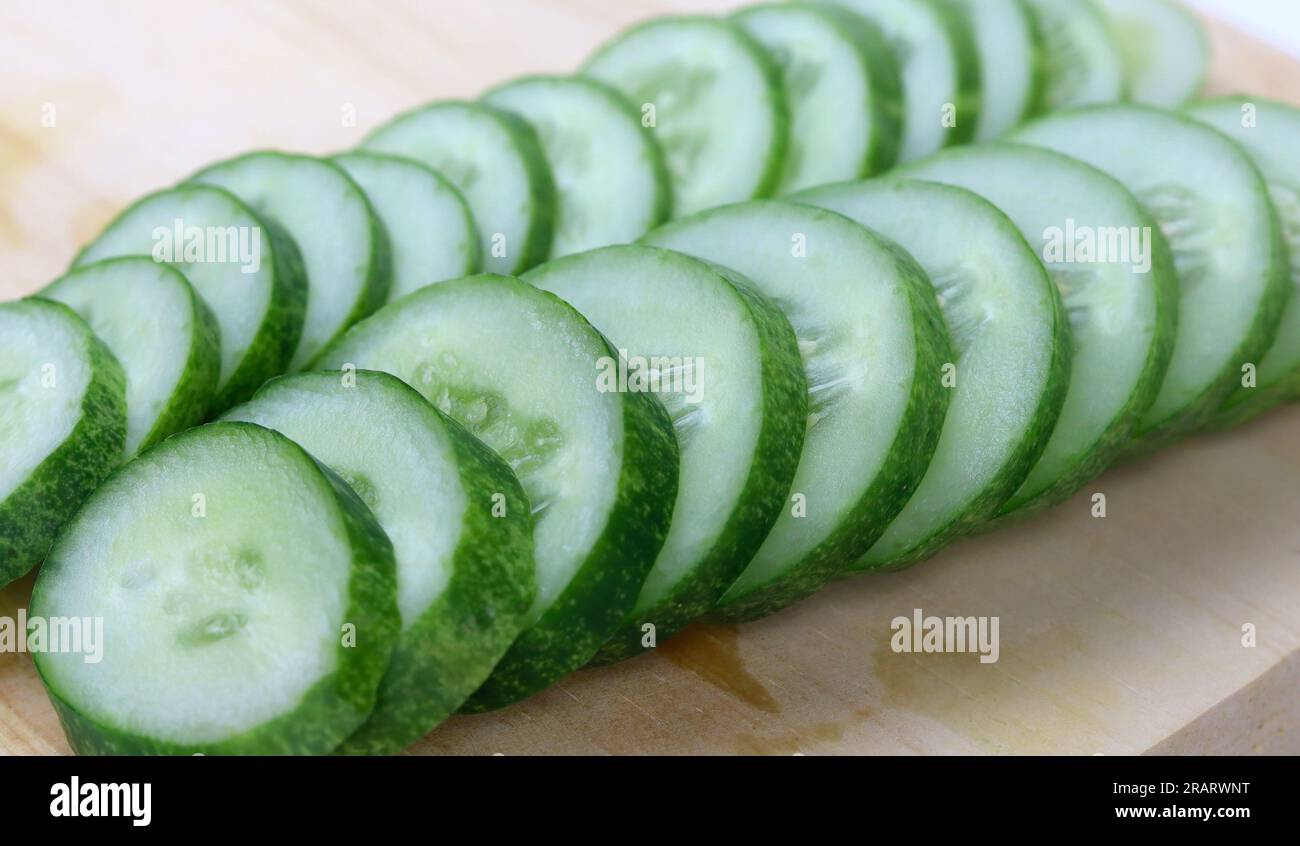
496	161
259	297
344	246
1083	60
1213	206
712	97
62	425
1122	311
1011	63
874	346
458	521
431	232
937	55
842	86
1009	336
247	600
732	381
167	341
611	181
520	369
1268	132
1166	52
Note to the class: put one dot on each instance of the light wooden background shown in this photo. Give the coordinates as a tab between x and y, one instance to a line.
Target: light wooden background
1119	635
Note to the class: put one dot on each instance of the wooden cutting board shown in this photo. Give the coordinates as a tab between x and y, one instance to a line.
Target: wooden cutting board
1122	634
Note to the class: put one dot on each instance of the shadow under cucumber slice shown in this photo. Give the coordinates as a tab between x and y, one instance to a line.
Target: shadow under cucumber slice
247	599
496	161
1213	206
519	368
62	425
725	363
1122	307
1009	336
458	521
874	345
247	271
167	341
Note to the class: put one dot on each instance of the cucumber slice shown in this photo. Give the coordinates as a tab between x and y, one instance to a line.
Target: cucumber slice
874	346
1083	60
611	180
1166	52
431	232
62	425
842	86
714	100
165	338
519	368
344	246
1011	63
247	599
1213	206
1270	140
259	298
1122	313
936	53
735	389
1009	334
464	573
496	161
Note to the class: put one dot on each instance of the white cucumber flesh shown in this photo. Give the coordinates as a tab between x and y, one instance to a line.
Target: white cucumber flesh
167	341
431	232
458	522
874	346
343	245
611	180
519	368
714	101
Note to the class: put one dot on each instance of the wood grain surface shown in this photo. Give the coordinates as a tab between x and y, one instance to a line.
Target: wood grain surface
1118	635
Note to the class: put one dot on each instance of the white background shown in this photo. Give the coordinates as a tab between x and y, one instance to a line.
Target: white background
1276	21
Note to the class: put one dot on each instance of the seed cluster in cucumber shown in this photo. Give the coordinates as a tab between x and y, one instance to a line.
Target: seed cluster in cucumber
799	292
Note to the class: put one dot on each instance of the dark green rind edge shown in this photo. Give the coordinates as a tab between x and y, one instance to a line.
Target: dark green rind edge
605	587
446	654
770	179
374	288
34	512
1116	437
966	58
901	472
541	183
197	384
772	469
332	707
474	254
884	101
653	152
1037	102
1028	447
277	336
1245	405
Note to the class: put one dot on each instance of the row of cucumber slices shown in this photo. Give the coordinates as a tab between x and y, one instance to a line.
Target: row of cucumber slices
469	489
